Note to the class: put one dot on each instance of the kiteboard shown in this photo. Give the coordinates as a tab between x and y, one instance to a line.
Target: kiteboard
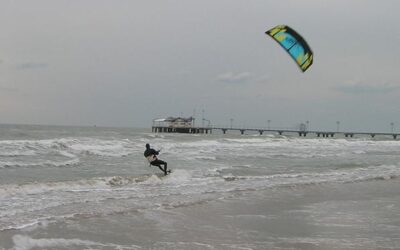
160	173
116	181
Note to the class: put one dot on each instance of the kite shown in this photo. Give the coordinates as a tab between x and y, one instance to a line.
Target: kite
294	44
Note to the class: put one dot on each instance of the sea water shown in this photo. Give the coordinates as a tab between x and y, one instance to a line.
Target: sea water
91	188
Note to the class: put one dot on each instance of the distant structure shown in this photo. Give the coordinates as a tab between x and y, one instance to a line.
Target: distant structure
187	125
178	125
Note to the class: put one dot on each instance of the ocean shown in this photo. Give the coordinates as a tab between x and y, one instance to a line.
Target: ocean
91	188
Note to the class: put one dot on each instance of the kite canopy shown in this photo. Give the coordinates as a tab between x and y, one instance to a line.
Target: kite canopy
294	44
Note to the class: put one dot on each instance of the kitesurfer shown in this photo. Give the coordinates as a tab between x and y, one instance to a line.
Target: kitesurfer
151	156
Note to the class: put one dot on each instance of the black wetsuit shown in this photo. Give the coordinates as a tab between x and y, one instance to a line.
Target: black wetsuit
155	161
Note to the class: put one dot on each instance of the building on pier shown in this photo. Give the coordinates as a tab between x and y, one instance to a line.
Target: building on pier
178	125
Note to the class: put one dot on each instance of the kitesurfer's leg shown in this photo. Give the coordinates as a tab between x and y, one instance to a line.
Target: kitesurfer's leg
165	168
158	163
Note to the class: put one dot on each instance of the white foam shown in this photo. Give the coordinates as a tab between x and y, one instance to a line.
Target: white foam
23	242
211	158
383	172
276	148
178	176
67	154
14	153
48	163
83	185
43	187
113	148
153	179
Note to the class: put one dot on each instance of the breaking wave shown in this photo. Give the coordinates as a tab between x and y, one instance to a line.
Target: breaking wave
112	148
23	242
67	163
22	205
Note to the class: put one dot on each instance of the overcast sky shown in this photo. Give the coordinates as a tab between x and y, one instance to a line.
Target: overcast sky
125	62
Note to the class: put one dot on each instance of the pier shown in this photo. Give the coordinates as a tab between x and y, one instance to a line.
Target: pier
261	131
304	133
187	125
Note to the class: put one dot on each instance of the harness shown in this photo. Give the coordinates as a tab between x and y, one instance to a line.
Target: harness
151	158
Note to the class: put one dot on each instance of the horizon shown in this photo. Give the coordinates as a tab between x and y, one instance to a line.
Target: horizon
253	129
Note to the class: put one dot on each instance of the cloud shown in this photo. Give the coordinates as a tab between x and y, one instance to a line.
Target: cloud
231	77
31	65
365	88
